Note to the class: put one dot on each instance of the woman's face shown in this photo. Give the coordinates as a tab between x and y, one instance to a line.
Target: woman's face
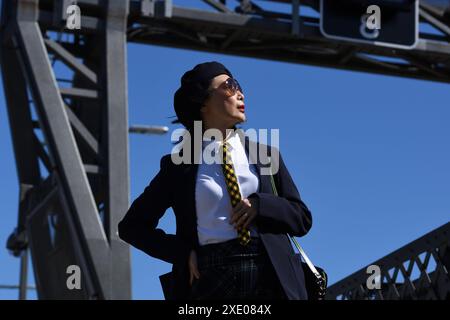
221	108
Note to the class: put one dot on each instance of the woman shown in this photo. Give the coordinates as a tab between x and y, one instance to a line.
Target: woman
230	240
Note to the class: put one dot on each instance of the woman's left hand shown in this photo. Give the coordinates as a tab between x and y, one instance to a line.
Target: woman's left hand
243	214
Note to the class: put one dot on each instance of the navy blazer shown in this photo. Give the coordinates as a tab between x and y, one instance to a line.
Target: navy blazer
174	186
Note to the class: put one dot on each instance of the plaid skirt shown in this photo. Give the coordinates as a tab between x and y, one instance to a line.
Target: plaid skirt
229	270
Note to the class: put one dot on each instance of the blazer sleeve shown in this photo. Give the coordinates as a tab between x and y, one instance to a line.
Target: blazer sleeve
139	226
285	213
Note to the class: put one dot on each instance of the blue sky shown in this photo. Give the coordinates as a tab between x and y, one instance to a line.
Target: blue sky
368	153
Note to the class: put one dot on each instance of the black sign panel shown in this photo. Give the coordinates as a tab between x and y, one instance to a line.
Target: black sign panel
393	23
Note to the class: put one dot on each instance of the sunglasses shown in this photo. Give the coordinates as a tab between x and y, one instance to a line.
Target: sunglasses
231	86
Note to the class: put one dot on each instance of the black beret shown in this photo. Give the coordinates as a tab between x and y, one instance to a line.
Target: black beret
188	99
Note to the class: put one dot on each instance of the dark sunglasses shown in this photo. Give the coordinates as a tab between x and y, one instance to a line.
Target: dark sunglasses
231	86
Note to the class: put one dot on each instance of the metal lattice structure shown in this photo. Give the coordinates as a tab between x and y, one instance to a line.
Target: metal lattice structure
76	135
419	270
66	95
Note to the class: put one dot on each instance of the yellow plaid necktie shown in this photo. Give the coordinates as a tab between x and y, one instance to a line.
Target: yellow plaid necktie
233	189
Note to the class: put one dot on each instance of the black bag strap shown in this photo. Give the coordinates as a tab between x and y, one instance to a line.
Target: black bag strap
299	248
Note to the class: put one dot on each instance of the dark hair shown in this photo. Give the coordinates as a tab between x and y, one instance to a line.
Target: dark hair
192	97
194	90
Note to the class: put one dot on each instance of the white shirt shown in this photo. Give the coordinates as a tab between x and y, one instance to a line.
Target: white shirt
212	199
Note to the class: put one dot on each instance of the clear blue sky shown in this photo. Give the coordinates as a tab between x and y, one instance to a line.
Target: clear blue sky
369	154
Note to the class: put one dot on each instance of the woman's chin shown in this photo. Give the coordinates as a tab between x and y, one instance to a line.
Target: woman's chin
240	118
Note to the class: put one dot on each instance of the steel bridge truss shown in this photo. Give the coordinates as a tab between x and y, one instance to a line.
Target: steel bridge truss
70	138
419	270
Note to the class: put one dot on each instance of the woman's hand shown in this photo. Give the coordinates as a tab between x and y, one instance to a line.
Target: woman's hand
243	214
193	268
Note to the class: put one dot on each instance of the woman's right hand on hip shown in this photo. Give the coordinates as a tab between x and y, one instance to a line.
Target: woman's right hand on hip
193	267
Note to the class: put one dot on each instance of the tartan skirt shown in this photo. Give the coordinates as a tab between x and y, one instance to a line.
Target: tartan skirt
229	270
